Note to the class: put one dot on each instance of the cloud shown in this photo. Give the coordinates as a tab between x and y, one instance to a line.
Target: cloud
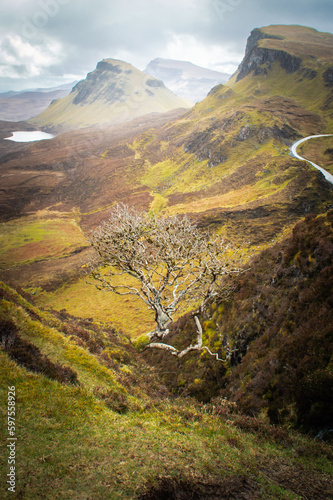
45	38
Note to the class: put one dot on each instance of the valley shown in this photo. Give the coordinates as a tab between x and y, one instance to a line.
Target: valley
242	164
294	147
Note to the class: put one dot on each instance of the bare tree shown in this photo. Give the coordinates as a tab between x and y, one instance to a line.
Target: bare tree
170	260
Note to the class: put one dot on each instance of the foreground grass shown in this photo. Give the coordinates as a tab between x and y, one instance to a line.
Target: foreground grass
72	444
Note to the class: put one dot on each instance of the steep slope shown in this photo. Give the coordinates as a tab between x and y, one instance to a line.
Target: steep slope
228	157
184	78
92	420
114	92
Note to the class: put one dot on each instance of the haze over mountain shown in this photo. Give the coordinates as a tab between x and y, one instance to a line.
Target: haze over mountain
114	92
24	104
184	78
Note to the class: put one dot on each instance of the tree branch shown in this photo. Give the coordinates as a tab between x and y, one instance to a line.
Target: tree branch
197	347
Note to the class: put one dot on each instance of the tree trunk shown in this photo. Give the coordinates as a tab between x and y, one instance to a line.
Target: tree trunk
175	352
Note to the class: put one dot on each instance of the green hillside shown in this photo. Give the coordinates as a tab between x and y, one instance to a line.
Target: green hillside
226	163
93	421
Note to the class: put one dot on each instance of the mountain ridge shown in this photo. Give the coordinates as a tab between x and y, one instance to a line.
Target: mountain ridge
185	78
25	104
114	92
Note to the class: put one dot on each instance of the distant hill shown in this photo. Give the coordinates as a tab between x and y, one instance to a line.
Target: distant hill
186	79
87	396
25	104
277	321
115	92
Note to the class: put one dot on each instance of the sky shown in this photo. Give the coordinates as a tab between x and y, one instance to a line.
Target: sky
45	43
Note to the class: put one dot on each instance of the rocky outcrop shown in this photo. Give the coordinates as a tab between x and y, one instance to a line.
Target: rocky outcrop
256	57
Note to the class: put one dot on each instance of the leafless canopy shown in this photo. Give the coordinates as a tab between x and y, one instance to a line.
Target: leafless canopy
169	259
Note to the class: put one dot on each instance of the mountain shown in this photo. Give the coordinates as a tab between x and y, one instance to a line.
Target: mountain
227	160
184	78
22	105
277	322
114	92
226	163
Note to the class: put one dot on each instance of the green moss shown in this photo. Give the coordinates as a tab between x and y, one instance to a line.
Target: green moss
57	347
159	203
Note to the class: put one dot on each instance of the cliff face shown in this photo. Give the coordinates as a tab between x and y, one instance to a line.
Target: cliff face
114	92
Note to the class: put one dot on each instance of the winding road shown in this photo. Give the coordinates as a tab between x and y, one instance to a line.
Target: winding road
293	149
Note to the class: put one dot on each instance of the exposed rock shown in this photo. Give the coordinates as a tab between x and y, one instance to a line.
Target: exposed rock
286	133
309	73
328	76
256	56
260	56
246	132
106	66
256	35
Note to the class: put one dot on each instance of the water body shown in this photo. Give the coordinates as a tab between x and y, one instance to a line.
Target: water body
29	136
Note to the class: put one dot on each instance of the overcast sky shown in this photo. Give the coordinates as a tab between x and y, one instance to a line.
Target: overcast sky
48	42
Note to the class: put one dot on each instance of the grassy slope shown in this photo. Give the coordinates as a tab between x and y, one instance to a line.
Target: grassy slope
118	435
256	104
278	317
226	163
